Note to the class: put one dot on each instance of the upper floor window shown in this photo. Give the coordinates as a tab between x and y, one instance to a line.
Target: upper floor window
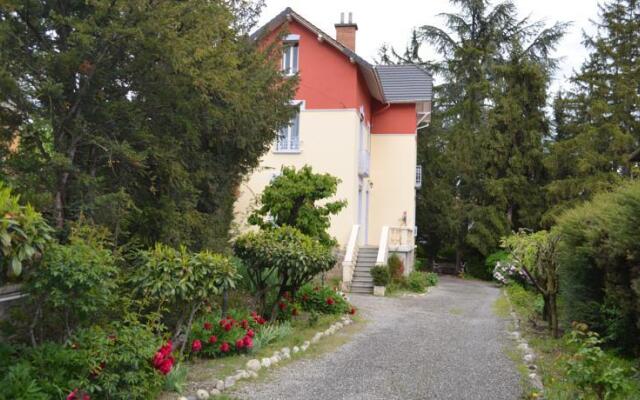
290	55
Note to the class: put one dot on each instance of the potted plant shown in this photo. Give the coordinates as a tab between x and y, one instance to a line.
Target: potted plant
380	275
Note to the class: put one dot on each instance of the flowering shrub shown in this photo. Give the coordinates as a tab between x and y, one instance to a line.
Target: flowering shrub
211	337
506	272
322	299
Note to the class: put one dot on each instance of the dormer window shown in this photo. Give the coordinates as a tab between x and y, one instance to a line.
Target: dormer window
290	60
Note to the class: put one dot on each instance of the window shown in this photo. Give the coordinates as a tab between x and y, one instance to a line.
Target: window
418	176
290	58
289	137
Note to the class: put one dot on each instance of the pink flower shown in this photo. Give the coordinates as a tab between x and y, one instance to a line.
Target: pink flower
208	326
250	333
227	327
196	346
213	339
239	344
248	342
73	395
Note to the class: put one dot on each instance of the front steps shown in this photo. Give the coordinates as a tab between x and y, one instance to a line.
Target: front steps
362	281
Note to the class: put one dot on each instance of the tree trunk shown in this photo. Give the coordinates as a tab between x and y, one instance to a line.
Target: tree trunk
553	315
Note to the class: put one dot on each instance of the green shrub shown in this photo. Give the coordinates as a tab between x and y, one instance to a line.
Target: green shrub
592	371
599	266
179	283
323	300
432	278
20	383
272	333
493	258
417	282
396	267
73	287
380	275
24	234
177	379
286	253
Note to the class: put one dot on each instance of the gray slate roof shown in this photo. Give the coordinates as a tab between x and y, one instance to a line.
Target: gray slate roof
386	83
405	83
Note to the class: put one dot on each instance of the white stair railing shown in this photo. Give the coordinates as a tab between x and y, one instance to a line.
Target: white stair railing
383	250
350	258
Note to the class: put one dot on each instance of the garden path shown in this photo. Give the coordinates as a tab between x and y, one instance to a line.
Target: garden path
448	344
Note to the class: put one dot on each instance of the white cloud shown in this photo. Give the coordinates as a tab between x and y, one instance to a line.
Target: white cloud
392	22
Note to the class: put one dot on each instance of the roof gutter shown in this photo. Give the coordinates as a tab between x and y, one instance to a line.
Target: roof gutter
379	84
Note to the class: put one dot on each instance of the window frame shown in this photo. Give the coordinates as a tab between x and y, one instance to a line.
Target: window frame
288	133
291	49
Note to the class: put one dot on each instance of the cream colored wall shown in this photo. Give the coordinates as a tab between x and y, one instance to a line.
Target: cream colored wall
329	143
393	174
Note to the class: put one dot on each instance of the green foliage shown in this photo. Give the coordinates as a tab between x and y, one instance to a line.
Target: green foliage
380	275
596	119
536	254
286	253
23	234
395	267
74	286
271	333
482	152
528	304
493	258
322	300
599	255
177	379
290	199
180	282
111	363
133	118
592	371
417	281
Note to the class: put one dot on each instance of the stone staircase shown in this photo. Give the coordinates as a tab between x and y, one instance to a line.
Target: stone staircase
362	281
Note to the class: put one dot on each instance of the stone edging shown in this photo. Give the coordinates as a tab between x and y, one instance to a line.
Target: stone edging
528	356
255	365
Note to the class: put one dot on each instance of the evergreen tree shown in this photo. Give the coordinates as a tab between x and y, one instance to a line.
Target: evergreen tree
141	116
598	120
482	153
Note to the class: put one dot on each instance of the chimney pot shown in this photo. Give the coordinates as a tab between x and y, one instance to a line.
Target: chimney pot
346	31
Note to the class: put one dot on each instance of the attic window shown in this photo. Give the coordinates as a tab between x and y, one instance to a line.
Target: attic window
290	64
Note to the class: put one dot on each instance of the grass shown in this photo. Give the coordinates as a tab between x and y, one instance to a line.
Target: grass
204	373
551	354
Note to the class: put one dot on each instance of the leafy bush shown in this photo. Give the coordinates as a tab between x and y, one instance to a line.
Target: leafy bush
323	300
592	371
599	266
432	278
109	363
23	234
212	337
494	258
380	275
179	283
417	281
294	258
396	267
290	199
74	285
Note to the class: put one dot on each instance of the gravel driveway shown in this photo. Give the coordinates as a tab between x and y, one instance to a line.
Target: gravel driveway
445	345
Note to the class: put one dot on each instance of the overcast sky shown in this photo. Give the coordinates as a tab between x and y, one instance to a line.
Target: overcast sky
392	22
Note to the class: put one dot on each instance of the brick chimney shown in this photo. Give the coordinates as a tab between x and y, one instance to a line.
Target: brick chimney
346	32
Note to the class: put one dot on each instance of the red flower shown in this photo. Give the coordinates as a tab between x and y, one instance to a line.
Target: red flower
222	322
254	314
73	395
196	346
282	306
251	333
227	327
157	359
86	397
239	344
224	347
167	348
248	342
330	301
352	311
166	366
244	324
208	326
213	339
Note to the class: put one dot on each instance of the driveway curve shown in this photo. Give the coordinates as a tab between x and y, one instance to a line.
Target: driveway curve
446	345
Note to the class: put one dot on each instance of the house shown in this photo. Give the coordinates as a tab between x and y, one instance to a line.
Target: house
356	121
